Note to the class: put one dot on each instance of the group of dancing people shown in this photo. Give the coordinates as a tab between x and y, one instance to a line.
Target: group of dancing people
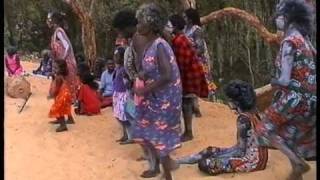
160	71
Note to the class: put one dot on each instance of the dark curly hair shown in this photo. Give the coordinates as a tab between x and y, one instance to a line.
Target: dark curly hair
154	15
241	93
82	67
193	15
62	68
88	79
57	18
297	12
124	18
177	21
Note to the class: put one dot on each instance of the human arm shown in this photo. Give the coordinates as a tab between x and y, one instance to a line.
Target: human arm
64	43
102	82
287	57
164	70
55	86
199	41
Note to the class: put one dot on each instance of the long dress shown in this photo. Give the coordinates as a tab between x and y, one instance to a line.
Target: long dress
204	57
58	53
245	156
158	114
292	114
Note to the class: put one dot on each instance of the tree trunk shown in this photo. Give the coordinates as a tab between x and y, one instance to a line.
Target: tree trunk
186	4
252	20
88	30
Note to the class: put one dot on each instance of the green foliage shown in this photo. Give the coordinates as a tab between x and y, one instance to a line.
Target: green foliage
231	42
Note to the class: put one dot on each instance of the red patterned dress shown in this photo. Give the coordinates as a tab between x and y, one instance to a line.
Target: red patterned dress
292	114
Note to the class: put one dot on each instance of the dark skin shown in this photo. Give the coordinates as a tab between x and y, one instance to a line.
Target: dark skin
110	67
145	30
58	78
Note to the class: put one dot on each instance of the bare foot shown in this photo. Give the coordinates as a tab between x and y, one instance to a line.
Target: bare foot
141	158
298	171
186	137
150	173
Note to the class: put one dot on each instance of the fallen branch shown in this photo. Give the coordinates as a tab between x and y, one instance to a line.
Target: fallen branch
252	20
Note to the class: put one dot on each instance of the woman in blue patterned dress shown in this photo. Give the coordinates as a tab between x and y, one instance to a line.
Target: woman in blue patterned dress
289	122
158	114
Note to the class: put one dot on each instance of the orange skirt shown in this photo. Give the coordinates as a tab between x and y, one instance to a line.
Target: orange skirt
62	103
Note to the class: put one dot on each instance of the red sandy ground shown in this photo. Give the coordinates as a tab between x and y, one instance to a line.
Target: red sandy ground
88	151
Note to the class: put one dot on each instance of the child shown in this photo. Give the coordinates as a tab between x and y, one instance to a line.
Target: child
45	67
60	91
88	98
106	84
12	62
120	93
246	155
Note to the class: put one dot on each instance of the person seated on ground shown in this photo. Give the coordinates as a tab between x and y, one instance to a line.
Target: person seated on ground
99	68
45	67
12	62
88	100
106	84
246	155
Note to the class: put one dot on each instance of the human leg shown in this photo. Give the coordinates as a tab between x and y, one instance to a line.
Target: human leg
62	126
187	110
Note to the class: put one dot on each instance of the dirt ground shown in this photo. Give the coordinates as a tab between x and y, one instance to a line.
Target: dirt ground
88	151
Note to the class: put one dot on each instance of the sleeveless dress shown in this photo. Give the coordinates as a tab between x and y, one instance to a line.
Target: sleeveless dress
292	114
227	160
58	52
158	113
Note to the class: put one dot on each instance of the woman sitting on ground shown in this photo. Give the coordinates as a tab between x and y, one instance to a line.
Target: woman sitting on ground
246	155
12	62
88	99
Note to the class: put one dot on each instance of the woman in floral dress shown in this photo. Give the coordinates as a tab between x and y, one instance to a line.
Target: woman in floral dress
61	48
245	155
289	122
158	113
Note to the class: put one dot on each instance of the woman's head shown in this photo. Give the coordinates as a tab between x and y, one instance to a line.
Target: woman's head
11	51
89	79
177	22
55	19
119	55
296	12
125	23
241	94
192	17
151	19
61	67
